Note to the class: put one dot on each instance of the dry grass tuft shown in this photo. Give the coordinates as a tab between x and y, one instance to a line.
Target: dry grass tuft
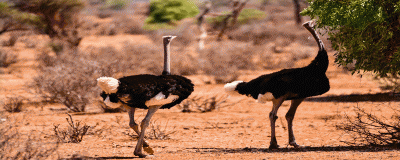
73	134
155	131
204	103
369	129
15	145
11	41
6	58
14	104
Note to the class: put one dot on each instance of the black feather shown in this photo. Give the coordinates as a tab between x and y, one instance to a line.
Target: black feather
141	88
302	82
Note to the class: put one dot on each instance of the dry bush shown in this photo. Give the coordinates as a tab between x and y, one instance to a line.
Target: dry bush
185	32
146	57
70	82
120	24
223	59
183	63
15	145
6	58
109	62
389	82
73	134
204	103
13	104
11	41
45	58
129	25
369	129
261	32
149	59
155	131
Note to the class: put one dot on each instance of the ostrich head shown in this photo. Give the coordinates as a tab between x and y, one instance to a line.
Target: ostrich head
109	86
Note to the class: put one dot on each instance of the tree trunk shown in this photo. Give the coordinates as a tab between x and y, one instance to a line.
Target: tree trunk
297	16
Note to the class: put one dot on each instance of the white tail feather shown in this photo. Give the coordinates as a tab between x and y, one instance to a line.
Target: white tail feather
108	84
160	99
229	87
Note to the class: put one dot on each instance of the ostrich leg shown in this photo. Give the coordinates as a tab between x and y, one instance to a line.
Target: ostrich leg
289	117
135	127
143	126
272	117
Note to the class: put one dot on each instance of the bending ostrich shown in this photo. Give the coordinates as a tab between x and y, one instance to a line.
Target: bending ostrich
288	84
147	92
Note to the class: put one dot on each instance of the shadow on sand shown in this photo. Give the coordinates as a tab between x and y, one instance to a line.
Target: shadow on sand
265	150
377	97
303	149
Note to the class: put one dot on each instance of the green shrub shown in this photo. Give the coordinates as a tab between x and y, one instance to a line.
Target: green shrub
164	11
245	16
48	16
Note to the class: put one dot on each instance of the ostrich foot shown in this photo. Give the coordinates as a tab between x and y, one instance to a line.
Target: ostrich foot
295	145
273	144
141	155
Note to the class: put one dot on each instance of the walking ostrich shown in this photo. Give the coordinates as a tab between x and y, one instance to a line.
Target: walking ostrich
147	92
288	84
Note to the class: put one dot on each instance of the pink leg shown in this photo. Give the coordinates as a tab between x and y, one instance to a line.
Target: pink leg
135	127
289	117
143	126
272	117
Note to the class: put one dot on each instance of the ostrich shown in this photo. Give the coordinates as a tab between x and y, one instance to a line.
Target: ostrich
146	91
288	84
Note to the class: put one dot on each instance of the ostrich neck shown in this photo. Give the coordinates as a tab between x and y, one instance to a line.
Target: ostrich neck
320	62
167	58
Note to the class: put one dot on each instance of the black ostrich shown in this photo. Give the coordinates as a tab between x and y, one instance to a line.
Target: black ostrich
288	84
147	92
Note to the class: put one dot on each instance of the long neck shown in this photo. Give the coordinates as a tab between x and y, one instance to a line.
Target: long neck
308	26
167	57
321	61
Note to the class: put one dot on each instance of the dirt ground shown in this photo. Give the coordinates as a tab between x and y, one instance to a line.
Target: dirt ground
238	131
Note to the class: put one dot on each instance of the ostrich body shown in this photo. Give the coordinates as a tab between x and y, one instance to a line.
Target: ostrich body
146	91
288	84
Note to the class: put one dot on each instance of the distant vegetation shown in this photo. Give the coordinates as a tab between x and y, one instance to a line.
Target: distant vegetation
165	12
49	17
115	4
246	15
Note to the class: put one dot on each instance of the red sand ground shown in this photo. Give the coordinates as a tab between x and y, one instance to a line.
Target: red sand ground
239	131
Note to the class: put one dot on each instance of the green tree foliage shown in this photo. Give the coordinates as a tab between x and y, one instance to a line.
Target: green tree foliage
49	16
164	11
245	16
364	31
13	19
